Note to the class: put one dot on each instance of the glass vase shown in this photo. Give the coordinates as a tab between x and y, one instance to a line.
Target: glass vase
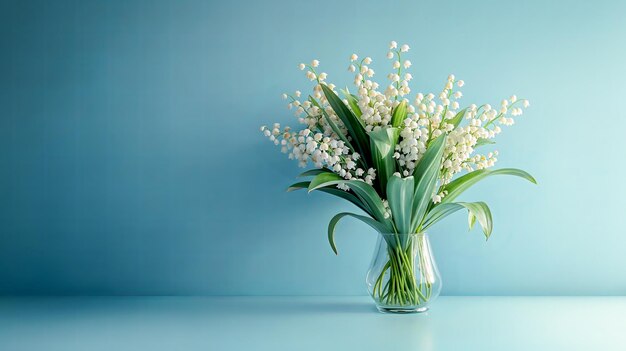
403	276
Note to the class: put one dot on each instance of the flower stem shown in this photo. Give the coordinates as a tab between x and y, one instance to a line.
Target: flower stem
397	282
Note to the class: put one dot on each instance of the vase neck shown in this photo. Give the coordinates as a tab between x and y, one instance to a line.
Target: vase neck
403	235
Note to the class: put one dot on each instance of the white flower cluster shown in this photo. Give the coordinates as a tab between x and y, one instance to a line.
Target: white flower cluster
428	116
318	143
377	107
320	149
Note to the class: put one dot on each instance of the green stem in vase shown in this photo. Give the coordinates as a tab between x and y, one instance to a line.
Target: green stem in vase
401	286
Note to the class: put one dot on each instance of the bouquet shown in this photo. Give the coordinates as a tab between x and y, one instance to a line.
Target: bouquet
402	159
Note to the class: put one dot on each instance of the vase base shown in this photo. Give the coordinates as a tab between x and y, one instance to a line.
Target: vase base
401	310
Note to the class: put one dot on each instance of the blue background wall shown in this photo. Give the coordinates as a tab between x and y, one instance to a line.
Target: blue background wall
131	161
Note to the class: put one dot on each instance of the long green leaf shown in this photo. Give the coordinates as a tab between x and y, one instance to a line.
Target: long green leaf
354	104
459	185
353	101
458	118
332	124
298	186
481	212
471	220
475	210
314	172
483	141
352	123
346	195
333	222
383	143
439	212
322	179
368	195
399	114
400	197
426	173
363	191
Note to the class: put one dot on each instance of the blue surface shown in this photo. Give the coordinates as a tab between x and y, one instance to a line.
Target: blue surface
131	161
311	323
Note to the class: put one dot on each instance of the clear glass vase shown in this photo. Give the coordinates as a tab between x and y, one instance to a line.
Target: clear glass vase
403	276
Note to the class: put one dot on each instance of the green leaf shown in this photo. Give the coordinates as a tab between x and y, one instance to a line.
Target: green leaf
298	186
400	197
352	123
333	222
314	172
458	118
363	191
332	124
426	173
439	212
459	185
475	210
399	114
322	179
353	101
346	195
383	143
483	141
481	212
471	219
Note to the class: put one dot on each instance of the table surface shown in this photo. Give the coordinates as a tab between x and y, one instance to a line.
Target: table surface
310	323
